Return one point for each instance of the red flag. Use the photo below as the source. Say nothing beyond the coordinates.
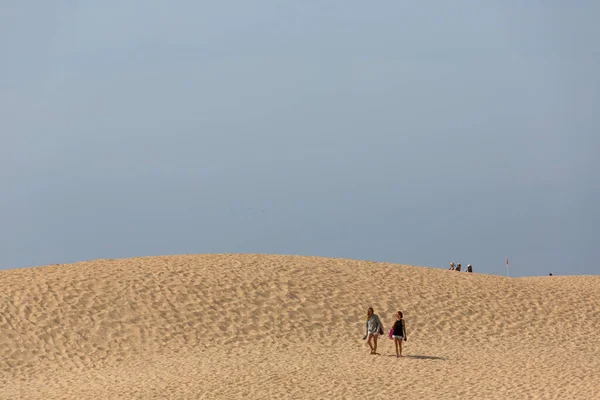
(507, 261)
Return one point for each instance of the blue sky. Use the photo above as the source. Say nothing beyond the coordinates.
(390, 131)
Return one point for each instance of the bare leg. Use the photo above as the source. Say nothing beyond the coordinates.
(400, 346)
(369, 342)
(396, 345)
(375, 344)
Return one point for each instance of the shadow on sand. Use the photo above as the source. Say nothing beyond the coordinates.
(421, 357)
(418, 357)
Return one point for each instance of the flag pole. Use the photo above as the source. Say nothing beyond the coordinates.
(506, 266)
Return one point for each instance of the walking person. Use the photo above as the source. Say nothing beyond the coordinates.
(374, 328)
(399, 333)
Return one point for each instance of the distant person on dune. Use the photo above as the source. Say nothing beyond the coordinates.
(399, 333)
(469, 268)
(457, 267)
(451, 266)
(374, 329)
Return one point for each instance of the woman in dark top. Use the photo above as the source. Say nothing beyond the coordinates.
(399, 333)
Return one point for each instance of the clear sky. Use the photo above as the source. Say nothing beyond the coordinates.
(411, 132)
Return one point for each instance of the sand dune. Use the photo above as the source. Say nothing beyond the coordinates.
(278, 327)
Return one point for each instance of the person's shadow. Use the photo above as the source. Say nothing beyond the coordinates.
(421, 357)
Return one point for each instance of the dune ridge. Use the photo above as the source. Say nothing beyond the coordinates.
(272, 326)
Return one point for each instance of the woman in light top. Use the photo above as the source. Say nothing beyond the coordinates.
(374, 329)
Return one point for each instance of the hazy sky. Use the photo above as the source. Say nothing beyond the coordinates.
(412, 132)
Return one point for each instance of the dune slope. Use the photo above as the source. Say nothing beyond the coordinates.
(266, 326)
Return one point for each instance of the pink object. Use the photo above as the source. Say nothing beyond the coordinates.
(391, 333)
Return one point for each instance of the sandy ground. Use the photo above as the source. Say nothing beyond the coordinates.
(282, 327)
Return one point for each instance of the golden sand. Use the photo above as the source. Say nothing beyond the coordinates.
(287, 327)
